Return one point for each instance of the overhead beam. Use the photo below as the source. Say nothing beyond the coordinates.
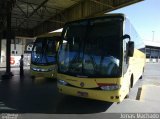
(30, 3)
(37, 20)
(21, 10)
(98, 2)
(83, 9)
(34, 11)
(23, 32)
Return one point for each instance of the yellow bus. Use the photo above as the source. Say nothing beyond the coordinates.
(43, 56)
(100, 58)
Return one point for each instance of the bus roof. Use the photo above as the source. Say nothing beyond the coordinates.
(112, 15)
(121, 15)
(50, 34)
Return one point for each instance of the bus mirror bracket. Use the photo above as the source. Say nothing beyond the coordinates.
(126, 36)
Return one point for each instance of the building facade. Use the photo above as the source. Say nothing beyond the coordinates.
(19, 46)
(152, 50)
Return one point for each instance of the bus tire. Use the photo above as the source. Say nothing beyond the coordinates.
(142, 74)
(141, 77)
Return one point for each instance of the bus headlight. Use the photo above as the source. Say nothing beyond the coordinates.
(42, 69)
(46, 70)
(62, 82)
(110, 87)
(52, 69)
(34, 69)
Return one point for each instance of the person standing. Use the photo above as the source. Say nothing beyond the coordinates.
(21, 66)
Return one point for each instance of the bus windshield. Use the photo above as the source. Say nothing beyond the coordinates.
(43, 52)
(91, 48)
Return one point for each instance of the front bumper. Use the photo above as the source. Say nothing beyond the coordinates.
(50, 74)
(110, 96)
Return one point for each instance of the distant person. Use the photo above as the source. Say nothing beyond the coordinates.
(21, 66)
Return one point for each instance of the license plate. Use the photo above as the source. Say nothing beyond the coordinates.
(82, 94)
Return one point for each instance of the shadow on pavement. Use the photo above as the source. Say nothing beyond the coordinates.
(77, 105)
(25, 95)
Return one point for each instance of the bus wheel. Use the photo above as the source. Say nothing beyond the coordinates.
(142, 74)
(141, 77)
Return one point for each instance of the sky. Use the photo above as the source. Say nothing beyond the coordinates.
(145, 17)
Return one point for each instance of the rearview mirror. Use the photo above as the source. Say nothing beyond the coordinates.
(130, 48)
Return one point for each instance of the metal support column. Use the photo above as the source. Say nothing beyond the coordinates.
(8, 43)
(0, 46)
(8, 74)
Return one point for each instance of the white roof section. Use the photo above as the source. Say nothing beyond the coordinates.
(151, 43)
(58, 30)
